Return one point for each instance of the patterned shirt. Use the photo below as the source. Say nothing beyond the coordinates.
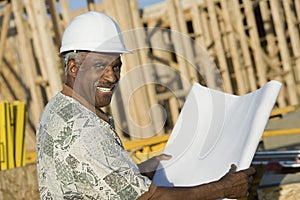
(80, 156)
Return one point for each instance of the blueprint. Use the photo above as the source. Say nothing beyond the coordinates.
(213, 131)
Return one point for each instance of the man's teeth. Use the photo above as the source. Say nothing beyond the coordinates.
(102, 89)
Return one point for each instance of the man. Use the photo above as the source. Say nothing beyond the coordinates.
(79, 154)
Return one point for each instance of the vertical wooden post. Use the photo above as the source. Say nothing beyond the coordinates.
(136, 118)
(272, 50)
(66, 14)
(57, 25)
(4, 29)
(37, 44)
(91, 5)
(234, 52)
(203, 39)
(219, 47)
(188, 53)
(240, 29)
(178, 45)
(255, 43)
(156, 115)
(158, 46)
(284, 52)
(49, 53)
(293, 30)
(28, 65)
(297, 8)
(196, 21)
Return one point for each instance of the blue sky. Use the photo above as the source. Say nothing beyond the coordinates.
(75, 4)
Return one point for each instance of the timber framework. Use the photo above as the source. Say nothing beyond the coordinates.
(247, 42)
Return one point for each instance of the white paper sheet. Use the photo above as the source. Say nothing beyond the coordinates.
(213, 131)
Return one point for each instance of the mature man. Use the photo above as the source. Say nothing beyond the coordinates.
(80, 156)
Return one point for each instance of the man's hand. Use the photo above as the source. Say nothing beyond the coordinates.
(149, 166)
(236, 184)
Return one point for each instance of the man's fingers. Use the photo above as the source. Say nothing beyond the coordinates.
(164, 157)
(250, 171)
(233, 168)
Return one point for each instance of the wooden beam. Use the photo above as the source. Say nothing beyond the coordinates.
(91, 5)
(234, 52)
(48, 52)
(272, 56)
(219, 49)
(56, 21)
(293, 30)
(4, 30)
(28, 66)
(66, 13)
(156, 115)
(284, 52)
(239, 28)
(178, 45)
(255, 43)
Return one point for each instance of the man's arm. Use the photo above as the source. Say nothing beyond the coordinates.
(232, 185)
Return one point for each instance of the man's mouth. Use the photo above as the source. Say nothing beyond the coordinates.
(105, 89)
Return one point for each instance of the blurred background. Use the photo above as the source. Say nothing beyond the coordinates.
(235, 46)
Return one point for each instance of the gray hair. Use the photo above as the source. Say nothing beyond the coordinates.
(76, 56)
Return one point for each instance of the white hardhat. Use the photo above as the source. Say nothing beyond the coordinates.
(93, 31)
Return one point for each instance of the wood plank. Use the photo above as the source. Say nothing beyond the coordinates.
(293, 30)
(205, 66)
(65, 12)
(157, 116)
(284, 52)
(4, 30)
(219, 49)
(234, 52)
(91, 5)
(138, 123)
(178, 45)
(239, 28)
(188, 54)
(56, 21)
(271, 50)
(35, 105)
(46, 46)
(255, 43)
(39, 80)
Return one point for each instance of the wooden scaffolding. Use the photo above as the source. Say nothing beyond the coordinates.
(231, 45)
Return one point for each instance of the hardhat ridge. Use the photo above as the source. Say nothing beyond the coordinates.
(93, 31)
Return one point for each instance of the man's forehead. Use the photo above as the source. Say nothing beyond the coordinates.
(106, 57)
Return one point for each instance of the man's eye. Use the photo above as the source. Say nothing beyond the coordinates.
(116, 68)
(100, 66)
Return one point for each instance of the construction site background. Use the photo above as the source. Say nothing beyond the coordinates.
(248, 42)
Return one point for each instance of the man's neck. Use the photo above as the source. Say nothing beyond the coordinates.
(68, 91)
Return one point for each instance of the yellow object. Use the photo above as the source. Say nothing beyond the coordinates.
(281, 132)
(3, 139)
(280, 111)
(12, 134)
(9, 138)
(20, 116)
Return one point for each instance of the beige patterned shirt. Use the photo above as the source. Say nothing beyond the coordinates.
(81, 157)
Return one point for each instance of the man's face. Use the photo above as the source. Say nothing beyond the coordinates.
(97, 77)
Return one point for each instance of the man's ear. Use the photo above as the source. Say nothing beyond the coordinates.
(72, 68)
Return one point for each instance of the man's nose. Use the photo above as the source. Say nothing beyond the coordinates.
(109, 74)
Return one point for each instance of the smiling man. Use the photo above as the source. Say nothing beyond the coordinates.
(80, 156)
